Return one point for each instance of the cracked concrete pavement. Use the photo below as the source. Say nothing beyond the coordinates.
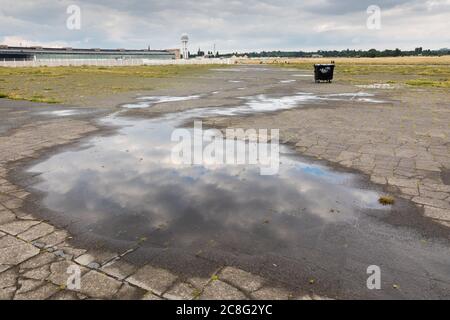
(404, 145)
(35, 256)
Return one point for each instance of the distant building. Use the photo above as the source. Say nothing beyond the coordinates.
(39, 53)
(176, 52)
(184, 46)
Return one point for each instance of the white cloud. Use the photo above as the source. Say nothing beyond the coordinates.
(232, 25)
(22, 42)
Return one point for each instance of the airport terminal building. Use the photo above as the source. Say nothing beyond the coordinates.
(8, 53)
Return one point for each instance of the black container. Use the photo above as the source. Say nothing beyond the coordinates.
(323, 72)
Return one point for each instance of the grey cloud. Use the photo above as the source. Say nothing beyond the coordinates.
(232, 25)
(343, 7)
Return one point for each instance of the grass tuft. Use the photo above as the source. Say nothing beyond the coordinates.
(429, 83)
(215, 278)
(34, 98)
(386, 200)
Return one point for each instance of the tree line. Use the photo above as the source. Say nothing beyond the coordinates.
(372, 53)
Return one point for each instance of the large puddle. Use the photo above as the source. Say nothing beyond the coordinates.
(130, 177)
(132, 173)
(125, 187)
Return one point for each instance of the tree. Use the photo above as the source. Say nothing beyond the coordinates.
(372, 53)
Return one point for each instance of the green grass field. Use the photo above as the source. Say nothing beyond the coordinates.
(66, 84)
(76, 85)
(431, 72)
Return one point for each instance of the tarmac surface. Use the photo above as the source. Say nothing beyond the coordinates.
(92, 183)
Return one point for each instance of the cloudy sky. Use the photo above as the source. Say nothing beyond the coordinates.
(233, 25)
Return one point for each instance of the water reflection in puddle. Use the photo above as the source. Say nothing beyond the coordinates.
(61, 113)
(357, 96)
(148, 101)
(376, 86)
(253, 104)
(125, 186)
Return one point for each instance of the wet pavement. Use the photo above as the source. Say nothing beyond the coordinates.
(309, 223)
(311, 228)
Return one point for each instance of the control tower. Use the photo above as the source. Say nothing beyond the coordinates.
(184, 46)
